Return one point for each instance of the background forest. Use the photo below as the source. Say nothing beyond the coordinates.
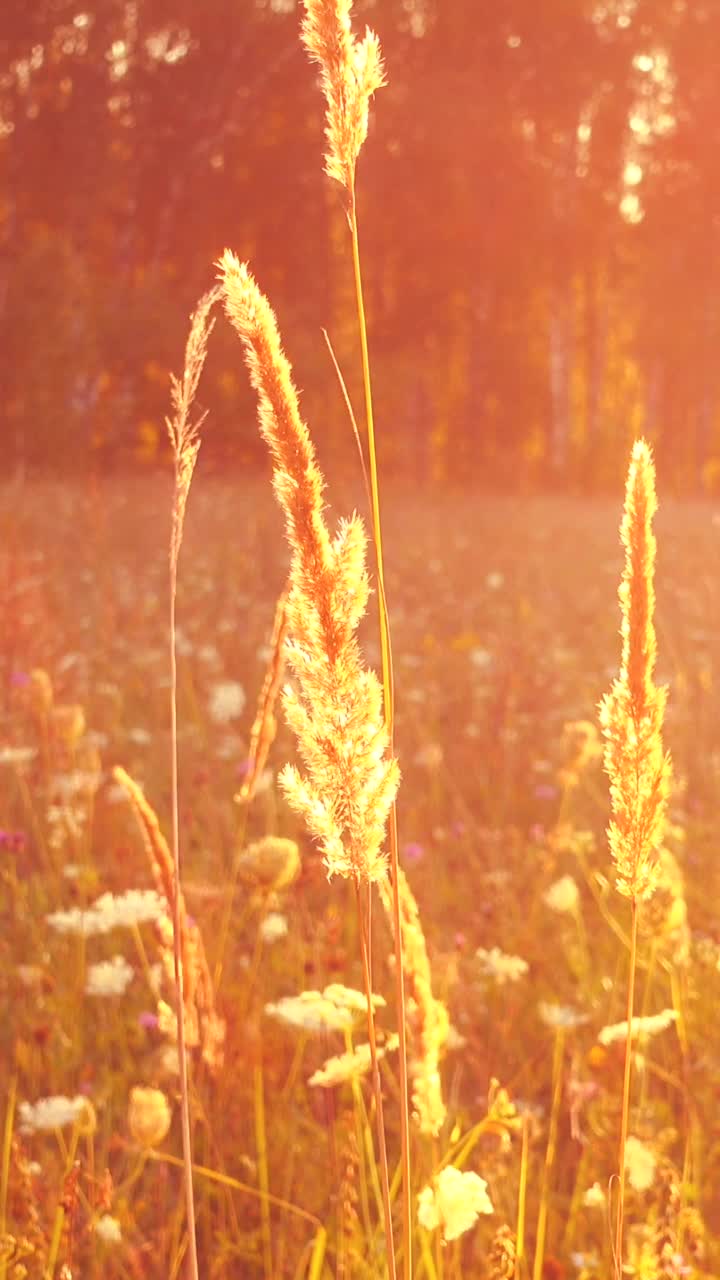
(540, 204)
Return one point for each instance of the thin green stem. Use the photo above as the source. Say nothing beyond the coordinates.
(389, 704)
(617, 1257)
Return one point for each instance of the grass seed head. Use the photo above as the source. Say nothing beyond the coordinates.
(631, 715)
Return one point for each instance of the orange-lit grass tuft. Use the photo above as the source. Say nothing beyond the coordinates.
(336, 709)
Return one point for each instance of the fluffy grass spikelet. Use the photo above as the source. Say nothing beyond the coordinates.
(185, 434)
(631, 714)
(336, 710)
(351, 70)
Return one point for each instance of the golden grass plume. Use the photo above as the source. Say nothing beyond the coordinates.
(631, 714)
(185, 434)
(335, 712)
(351, 70)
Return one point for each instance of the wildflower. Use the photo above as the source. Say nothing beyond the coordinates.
(561, 1016)
(336, 711)
(643, 1027)
(148, 1116)
(109, 977)
(347, 998)
(594, 1197)
(331, 1009)
(227, 701)
(349, 1066)
(351, 72)
(311, 1012)
(640, 1164)
(274, 927)
(110, 911)
(51, 1113)
(503, 968)
(563, 895)
(271, 863)
(108, 1229)
(631, 715)
(452, 1201)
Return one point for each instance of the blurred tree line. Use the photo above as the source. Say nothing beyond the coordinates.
(540, 218)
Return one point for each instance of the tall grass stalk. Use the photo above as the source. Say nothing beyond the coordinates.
(389, 704)
(351, 72)
(631, 715)
(185, 440)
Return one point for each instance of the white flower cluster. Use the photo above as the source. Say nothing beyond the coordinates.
(649, 1026)
(50, 1113)
(452, 1201)
(109, 977)
(329, 1010)
(110, 911)
(503, 968)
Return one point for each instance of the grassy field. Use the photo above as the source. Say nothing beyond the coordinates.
(505, 625)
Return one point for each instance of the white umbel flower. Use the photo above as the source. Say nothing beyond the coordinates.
(108, 1230)
(640, 1164)
(563, 895)
(452, 1202)
(227, 701)
(51, 1113)
(109, 977)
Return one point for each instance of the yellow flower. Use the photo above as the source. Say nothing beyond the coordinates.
(148, 1116)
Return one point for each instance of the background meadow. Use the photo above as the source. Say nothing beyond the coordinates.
(538, 211)
(505, 624)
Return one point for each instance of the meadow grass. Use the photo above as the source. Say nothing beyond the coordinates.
(549, 1134)
(504, 635)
